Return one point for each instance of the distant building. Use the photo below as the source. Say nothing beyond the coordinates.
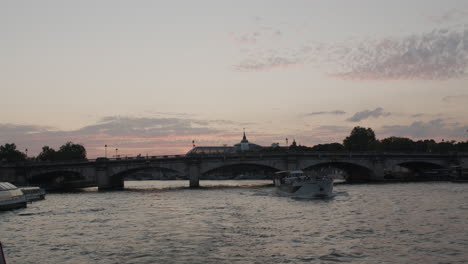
(243, 146)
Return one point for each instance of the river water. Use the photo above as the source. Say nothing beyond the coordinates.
(241, 222)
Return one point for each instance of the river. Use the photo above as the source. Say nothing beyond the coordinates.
(241, 222)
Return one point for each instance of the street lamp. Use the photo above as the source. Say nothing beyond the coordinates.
(116, 153)
(105, 147)
(26, 150)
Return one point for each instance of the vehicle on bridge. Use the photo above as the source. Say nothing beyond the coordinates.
(301, 185)
(11, 197)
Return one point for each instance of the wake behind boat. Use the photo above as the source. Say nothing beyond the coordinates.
(301, 185)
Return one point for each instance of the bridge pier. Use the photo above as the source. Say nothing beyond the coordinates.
(194, 174)
(105, 181)
(378, 172)
(291, 163)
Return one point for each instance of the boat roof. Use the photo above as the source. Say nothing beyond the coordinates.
(5, 186)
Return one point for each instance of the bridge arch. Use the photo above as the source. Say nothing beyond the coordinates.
(240, 170)
(118, 177)
(420, 165)
(353, 172)
(418, 170)
(58, 179)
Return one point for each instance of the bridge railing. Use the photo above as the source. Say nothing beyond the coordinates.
(228, 155)
(85, 161)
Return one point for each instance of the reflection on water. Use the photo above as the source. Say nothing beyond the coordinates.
(166, 222)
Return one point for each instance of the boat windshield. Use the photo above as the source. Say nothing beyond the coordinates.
(5, 186)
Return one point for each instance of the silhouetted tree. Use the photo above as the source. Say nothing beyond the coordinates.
(71, 151)
(445, 146)
(399, 144)
(328, 147)
(361, 139)
(47, 154)
(8, 152)
(68, 151)
(461, 146)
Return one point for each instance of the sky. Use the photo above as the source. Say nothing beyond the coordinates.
(148, 77)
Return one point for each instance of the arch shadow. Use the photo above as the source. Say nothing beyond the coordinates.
(421, 171)
(59, 180)
(353, 172)
(163, 174)
(239, 171)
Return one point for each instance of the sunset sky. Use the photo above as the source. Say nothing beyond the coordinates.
(151, 76)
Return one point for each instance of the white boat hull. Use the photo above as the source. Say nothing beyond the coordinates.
(13, 203)
(316, 189)
(11, 197)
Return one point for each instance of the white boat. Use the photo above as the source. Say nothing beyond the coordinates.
(33, 193)
(298, 184)
(11, 197)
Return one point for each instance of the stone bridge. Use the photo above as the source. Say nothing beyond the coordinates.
(110, 173)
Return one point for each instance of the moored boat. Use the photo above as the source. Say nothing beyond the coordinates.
(33, 193)
(298, 184)
(11, 197)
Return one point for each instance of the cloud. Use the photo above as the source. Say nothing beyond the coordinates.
(250, 38)
(378, 112)
(266, 63)
(147, 127)
(436, 128)
(462, 98)
(440, 54)
(335, 112)
(334, 129)
(132, 135)
(436, 55)
(451, 15)
(11, 130)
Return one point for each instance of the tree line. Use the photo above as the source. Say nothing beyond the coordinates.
(68, 151)
(363, 139)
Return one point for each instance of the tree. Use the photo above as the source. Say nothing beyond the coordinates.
(71, 151)
(328, 147)
(47, 154)
(360, 139)
(8, 152)
(68, 151)
(400, 144)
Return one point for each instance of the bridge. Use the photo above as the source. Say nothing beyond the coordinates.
(109, 174)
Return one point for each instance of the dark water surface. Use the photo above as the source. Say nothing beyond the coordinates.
(388, 223)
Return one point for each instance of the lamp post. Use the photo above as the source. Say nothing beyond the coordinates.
(287, 145)
(26, 150)
(116, 153)
(105, 151)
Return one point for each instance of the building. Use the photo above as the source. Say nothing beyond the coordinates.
(243, 146)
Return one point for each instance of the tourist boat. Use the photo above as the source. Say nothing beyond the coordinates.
(33, 193)
(298, 184)
(11, 197)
